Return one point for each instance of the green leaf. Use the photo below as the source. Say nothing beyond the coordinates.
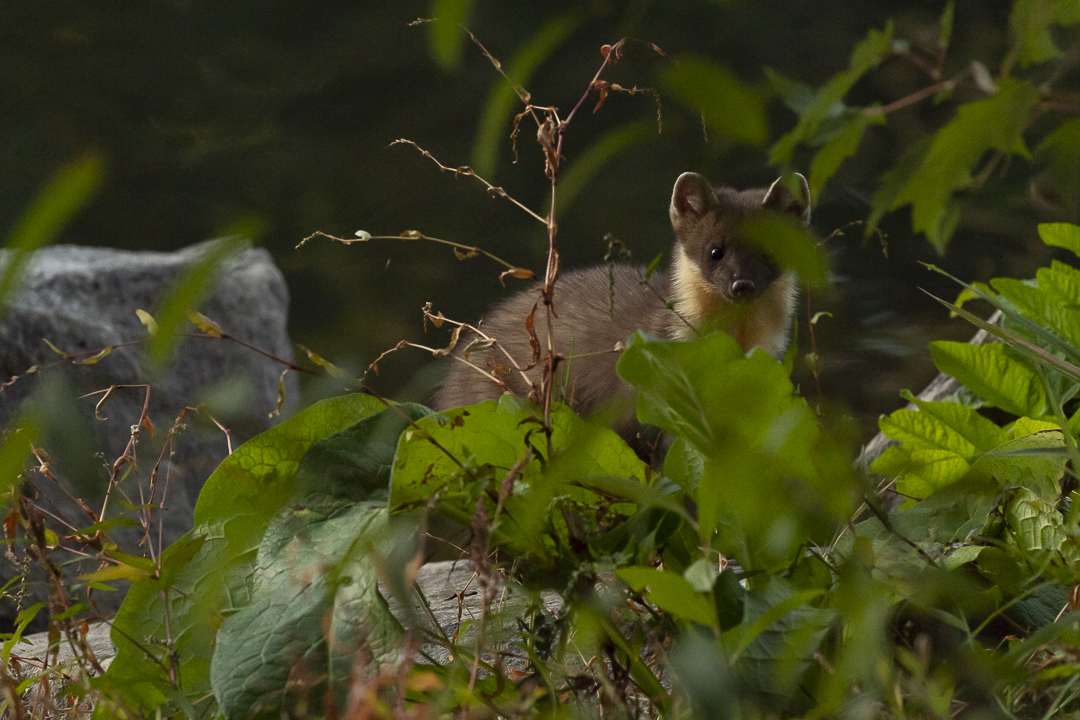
(446, 39)
(464, 455)
(1059, 151)
(1036, 523)
(728, 107)
(355, 464)
(68, 191)
(1033, 462)
(992, 373)
(702, 574)
(997, 123)
(1062, 235)
(671, 593)
(828, 101)
(943, 425)
(1030, 24)
(315, 612)
(1044, 307)
(760, 443)
(209, 572)
(940, 442)
(187, 292)
(684, 465)
(828, 159)
(945, 25)
(492, 131)
(16, 445)
(790, 243)
(779, 627)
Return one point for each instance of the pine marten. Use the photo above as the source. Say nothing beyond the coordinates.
(717, 281)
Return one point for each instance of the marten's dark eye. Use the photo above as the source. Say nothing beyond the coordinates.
(716, 253)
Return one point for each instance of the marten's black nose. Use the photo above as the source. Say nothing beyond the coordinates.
(743, 288)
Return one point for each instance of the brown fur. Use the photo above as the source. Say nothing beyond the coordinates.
(742, 293)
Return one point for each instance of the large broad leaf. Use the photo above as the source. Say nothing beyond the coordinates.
(315, 611)
(766, 477)
(1044, 307)
(315, 614)
(780, 636)
(464, 456)
(209, 572)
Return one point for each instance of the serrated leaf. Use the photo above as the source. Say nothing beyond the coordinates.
(867, 53)
(996, 122)
(1035, 462)
(828, 159)
(943, 425)
(993, 374)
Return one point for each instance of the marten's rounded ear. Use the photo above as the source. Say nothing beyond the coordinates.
(790, 194)
(692, 198)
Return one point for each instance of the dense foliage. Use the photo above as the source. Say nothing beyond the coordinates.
(757, 573)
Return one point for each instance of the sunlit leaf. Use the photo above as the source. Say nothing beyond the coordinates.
(993, 374)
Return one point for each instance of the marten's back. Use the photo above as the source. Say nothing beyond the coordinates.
(594, 312)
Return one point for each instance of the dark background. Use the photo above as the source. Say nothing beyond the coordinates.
(275, 119)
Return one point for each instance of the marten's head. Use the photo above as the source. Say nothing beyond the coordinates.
(718, 274)
(706, 223)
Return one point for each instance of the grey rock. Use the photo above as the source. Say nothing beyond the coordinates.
(84, 299)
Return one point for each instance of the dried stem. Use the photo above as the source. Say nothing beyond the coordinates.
(493, 190)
